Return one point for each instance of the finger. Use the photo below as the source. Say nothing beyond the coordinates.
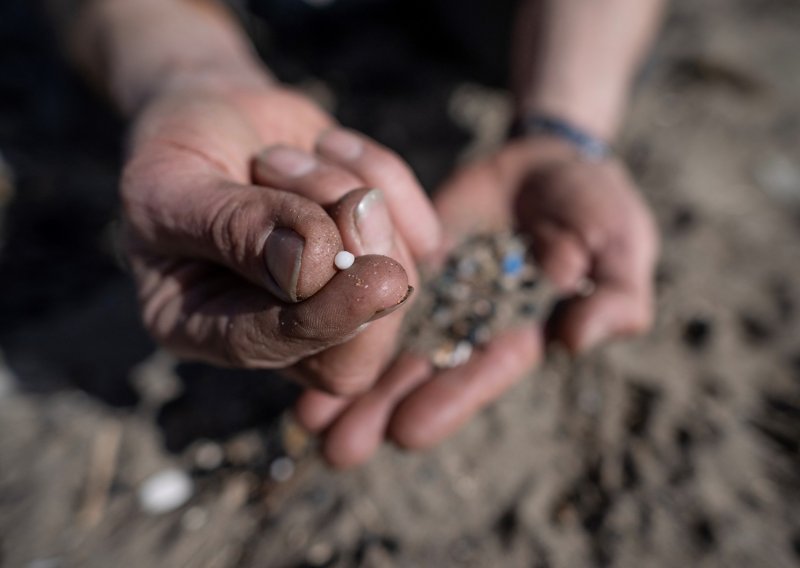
(179, 204)
(622, 302)
(368, 224)
(363, 358)
(562, 256)
(610, 312)
(365, 225)
(364, 222)
(373, 288)
(442, 405)
(299, 171)
(431, 411)
(363, 219)
(378, 166)
(207, 313)
(316, 410)
(361, 428)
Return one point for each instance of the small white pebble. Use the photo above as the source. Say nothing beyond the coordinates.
(344, 260)
(165, 491)
(281, 469)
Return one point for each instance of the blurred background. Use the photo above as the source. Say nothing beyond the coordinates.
(679, 449)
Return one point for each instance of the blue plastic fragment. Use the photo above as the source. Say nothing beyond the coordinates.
(513, 263)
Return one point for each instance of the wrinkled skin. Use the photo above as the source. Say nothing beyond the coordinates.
(198, 236)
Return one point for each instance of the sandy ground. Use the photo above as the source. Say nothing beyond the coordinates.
(678, 449)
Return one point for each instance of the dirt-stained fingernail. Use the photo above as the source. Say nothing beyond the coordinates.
(374, 224)
(283, 255)
(383, 313)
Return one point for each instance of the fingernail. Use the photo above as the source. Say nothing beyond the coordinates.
(340, 144)
(284, 252)
(383, 313)
(374, 224)
(288, 162)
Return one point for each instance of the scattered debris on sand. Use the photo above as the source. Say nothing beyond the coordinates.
(487, 285)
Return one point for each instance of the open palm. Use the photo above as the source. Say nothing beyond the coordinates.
(585, 221)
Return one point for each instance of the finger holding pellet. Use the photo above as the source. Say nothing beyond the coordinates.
(206, 316)
(369, 289)
(363, 219)
(378, 166)
(362, 215)
(373, 289)
(366, 228)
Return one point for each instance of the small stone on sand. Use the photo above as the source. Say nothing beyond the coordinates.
(281, 469)
(165, 491)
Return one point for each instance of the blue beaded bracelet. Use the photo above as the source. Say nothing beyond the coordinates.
(590, 147)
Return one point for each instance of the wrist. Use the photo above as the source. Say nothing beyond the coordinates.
(178, 79)
(521, 156)
(596, 110)
(537, 125)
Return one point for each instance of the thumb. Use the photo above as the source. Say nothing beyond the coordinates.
(179, 205)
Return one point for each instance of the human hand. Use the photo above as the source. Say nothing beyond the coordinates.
(587, 225)
(397, 221)
(241, 275)
(585, 221)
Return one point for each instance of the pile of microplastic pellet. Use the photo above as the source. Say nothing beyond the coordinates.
(488, 284)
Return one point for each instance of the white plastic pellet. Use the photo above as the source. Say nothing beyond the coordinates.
(344, 260)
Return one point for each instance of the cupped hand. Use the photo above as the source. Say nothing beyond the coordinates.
(243, 275)
(586, 224)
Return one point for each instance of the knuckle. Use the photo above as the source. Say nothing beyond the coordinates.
(296, 328)
(390, 165)
(159, 317)
(248, 345)
(134, 191)
(237, 342)
(230, 227)
(309, 336)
